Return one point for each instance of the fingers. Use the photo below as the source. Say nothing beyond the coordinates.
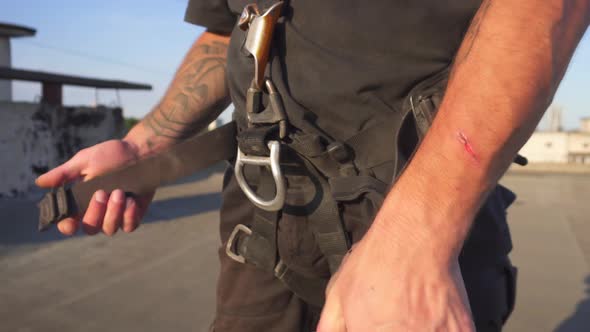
(135, 209)
(68, 171)
(108, 213)
(93, 219)
(143, 202)
(68, 226)
(113, 217)
(131, 215)
(332, 318)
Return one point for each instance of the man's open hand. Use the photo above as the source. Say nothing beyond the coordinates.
(106, 212)
(386, 286)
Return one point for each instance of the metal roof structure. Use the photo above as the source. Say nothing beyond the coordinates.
(13, 30)
(51, 78)
(52, 83)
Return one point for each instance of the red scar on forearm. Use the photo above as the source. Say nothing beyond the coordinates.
(463, 139)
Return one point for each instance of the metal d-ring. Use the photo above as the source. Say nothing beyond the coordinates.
(229, 247)
(272, 161)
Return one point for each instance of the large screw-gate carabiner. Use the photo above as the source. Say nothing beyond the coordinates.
(258, 40)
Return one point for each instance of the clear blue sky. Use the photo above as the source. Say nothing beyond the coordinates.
(146, 39)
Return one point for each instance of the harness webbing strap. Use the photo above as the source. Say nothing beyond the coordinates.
(327, 224)
(351, 188)
(254, 141)
(260, 248)
(313, 149)
(311, 290)
(377, 144)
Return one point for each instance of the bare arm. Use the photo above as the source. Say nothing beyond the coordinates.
(504, 77)
(196, 96)
(404, 274)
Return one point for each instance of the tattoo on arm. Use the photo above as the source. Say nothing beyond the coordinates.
(216, 47)
(472, 32)
(195, 97)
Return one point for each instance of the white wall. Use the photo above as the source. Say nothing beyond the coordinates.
(579, 148)
(585, 125)
(35, 138)
(546, 147)
(579, 143)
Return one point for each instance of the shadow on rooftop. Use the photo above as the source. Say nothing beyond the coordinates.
(18, 217)
(579, 319)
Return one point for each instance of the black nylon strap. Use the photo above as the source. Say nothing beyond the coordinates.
(350, 188)
(332, 160)
(327, 224)
(424, 111)
(253, 141)
(377, 144)
(325, 219)
(310, 290)
(260, 248)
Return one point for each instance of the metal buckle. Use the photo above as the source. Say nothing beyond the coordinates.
(55, 206)
(242, 159)
(273, 113)
(280, 269)
(229, 247)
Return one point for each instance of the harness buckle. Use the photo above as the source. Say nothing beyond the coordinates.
(271, 161)
(229, 247)
(280, 269)
(273, 113)
(55, 206)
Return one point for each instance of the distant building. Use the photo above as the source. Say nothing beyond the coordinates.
(8, 31)
(37, 136)
(560, 146)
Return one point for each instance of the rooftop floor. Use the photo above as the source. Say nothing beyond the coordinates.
(162, 277)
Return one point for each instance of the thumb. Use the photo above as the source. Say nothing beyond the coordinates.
(332, 318)
(68, 171)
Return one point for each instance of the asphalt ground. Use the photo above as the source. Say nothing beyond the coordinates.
(162, 277)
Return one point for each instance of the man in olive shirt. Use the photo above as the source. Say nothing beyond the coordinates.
(435, 255)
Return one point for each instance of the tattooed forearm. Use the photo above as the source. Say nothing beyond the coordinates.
(196, 96)
(178, 115)
(472, 32)
(215, 47)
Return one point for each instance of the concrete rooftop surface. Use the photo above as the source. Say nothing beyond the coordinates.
(162, 277)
